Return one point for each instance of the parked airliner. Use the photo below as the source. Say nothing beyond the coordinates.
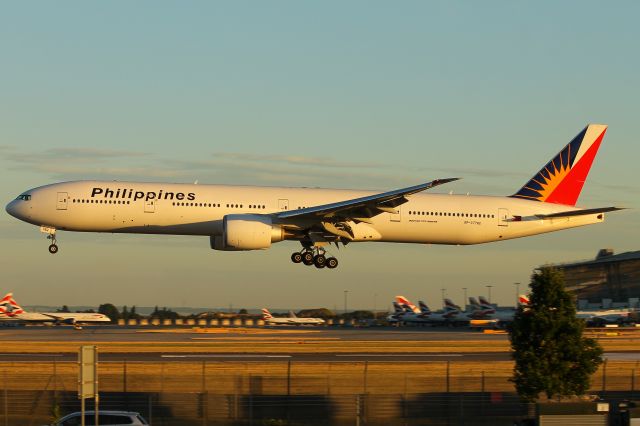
(292, 319)
(11, 311)
(237, 218)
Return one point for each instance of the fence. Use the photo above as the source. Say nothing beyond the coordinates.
(287, 393)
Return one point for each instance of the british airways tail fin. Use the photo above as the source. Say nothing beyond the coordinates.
(561, 179)
(404, 301)
(424, 309)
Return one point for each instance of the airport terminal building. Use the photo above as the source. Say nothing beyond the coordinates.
(608, 281)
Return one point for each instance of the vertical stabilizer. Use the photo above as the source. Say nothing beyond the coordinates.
(561, 179)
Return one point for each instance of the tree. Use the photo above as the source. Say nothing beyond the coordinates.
(109, 310)
(551, 355)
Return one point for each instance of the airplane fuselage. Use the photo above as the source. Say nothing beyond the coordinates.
(191, 209)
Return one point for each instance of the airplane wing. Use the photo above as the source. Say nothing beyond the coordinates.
(357, 210)
(579, 212)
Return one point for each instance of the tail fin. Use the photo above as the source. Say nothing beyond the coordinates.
(424, 309)
(404, 301)
(266, 314)
(396, 308)
(484, 302)
(474, 303)
(523, 300)
(9, 307)
(292, 314)
(449, 305)
(561, 179)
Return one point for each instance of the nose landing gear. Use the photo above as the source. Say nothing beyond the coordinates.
(314, 256)
(53, 247)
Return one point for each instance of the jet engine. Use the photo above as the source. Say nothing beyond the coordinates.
(247, 232)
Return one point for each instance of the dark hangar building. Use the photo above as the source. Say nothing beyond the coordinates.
(609, 280)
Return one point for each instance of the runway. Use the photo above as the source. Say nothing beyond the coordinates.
(293, 357)
(263, 344)
(188, 334)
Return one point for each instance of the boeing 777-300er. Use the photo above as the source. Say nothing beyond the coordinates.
(237, 218)
(10, 310)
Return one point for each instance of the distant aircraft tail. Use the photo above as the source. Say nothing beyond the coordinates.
(424, 309)
(266, 315)
(9, 307)
(397, 309)
(404, 301)
(561, 179)
(473, 302)
(523, 300)
(449, 305)
(292, 314)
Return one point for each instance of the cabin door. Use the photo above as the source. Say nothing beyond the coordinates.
(503, 217)
(61, 203)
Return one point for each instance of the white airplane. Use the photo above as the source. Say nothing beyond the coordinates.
(237, 218)
(11, 311)
(292, 319)
(606, 316)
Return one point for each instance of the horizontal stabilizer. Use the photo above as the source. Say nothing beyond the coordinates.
(579, 212)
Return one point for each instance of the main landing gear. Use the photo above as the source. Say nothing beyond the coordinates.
(314, 256)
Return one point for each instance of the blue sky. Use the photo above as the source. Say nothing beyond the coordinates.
(359, 94)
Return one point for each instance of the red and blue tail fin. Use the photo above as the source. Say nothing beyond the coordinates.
(561, 179)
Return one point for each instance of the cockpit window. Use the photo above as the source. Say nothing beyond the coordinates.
(24, 197)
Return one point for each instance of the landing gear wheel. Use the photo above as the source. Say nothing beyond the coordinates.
(332, 263)
(319, 260)
(307, 258)
(53, 249)
(296, 257)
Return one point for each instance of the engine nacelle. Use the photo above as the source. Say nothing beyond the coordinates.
(247, 232)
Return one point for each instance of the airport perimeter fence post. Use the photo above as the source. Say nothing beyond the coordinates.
(358, 402)
(366, 368)
(604, 376)
(289, 378)
(6, 402)
(633, 382)
(150, 409)
(204, 397)
(55, 383)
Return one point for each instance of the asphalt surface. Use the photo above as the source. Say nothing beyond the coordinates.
(142, 335)
(151, 334)
(266, 357)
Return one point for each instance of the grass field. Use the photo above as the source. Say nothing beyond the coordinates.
(324, 378)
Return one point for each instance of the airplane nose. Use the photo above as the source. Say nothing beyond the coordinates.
(11, 209)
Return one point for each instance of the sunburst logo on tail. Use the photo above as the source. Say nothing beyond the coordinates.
(561, 179)
(549, 178)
